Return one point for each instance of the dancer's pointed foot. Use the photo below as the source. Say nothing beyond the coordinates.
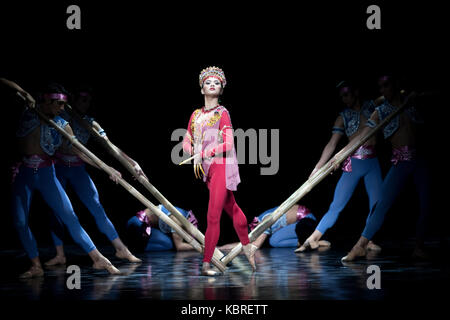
(356, 252)
(33, 272)
(300, 249)
(324, 243)
(208, 271)
(57, 260)
(308, 245)
(249, 251)
(103, 263)
(373, 247)
(127, 255)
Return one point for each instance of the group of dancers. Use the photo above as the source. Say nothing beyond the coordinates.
(50, 162)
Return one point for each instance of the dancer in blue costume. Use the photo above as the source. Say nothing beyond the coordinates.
(70, 169)
(284, 232)
(148, 232)
(38, 142)
(401, 132)
(362, 164)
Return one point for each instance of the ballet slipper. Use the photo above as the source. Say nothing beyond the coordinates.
(57, 260)
(127, 255)
(373, 247)
(208, 271)
(34, 272)
(104, 263)
(355, 253)
(249, 251)
(299, 249)
(324, 243)
(308, 245)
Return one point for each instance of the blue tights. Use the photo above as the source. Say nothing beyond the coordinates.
(84, 187)
(392, 185)
(159, 241)
(44, 180)
(369, 169)
(284, 237)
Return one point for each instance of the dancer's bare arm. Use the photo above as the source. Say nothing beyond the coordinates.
(180, 245)
(11, 84)
(86, 159)
(330, 147)
(260, 240)
(134, 163)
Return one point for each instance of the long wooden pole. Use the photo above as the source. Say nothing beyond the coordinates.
(189, 239)
(115, 152)
(310, 183)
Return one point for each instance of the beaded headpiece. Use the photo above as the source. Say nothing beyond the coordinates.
(212, 72)
(55, 96)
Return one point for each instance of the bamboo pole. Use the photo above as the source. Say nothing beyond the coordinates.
(115, 152)
(311, 183)
(187, 160)
(189, 239)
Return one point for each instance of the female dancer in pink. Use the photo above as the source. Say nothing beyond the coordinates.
(210, 138)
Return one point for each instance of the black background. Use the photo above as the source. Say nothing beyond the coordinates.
(282, 62)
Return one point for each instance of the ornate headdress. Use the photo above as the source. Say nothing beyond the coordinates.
(212, 72)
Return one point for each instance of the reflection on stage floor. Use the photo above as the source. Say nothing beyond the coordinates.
(281, 275)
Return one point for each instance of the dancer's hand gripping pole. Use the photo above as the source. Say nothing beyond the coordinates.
(198, 169)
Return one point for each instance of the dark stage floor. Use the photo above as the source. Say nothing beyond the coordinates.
(281, 275)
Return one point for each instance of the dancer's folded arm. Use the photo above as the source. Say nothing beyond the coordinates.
(187, 143)
(226, 132)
